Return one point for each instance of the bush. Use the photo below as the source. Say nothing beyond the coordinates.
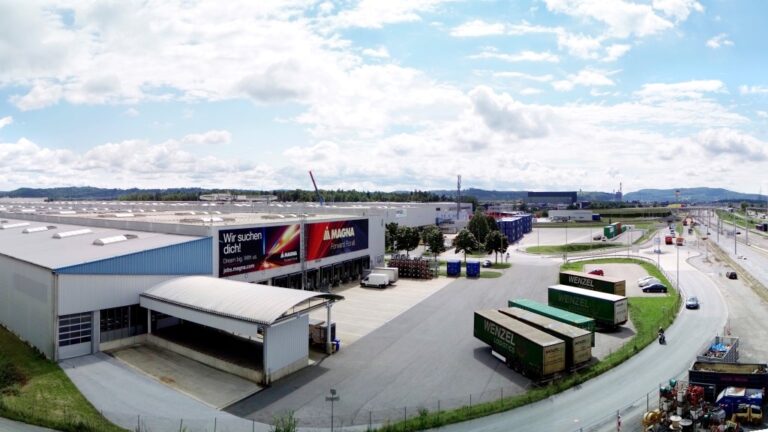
(10, 376)
(284, 423)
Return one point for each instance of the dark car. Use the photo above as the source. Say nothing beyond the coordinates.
(692, 303)
(487, 263)
(656, 287)
(731, 275)
(598, 272)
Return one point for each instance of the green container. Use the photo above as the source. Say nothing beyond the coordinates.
(608, 310)
(609, 231)
(526, 349)
(556, 314)
(594, 282)
(578, 342)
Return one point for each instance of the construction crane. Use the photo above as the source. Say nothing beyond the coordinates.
(317, 192)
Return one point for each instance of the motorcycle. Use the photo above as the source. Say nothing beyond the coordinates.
(662, 339)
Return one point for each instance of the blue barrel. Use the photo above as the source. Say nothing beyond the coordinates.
(473, 269)
(453, 268)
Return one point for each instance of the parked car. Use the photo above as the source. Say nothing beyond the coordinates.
(692, 303)
(731, 275)
(487, 263)
(655, 287)
(650, 280)
(598, 272)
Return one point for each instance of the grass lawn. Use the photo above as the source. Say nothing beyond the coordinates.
(647, 315)
(571, 247)
(43, 395)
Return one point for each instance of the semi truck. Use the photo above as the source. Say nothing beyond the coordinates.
(578, 342)
(608, 310)
(563, 316)
(716, 376)
(594, 282)
(525, 349)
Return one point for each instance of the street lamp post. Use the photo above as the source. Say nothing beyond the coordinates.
(566, 240)
(678, 267)
(332, 398)
(734, 233)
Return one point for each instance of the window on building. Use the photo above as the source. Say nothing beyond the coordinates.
(74, 329)
(122, 322)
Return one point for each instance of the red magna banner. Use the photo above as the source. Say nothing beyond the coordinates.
(326, 239)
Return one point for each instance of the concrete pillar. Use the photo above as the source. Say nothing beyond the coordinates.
(328, 342)
(149, 321)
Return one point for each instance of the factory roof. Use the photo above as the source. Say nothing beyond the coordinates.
(56, 245)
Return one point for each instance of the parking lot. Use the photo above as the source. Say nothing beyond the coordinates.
(424, 355)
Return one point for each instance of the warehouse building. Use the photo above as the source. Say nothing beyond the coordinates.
(73, 284)
(573, 215)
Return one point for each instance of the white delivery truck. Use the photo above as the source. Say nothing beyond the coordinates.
(378, 280)
(393, 272)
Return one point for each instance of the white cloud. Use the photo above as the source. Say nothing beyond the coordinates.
(131, 112)
(380, 52)
(5, 121)
(586, 78)
(762, 114)
(745, 89)
(678, 9)
(502, 113)
(687, 89)
(477, 28)
(579, 45)
(622, 18)
(525, 76)
(523, 56)
(729, 142)
(213, 137)
(719, 41)
(376, 14)
(615, 51)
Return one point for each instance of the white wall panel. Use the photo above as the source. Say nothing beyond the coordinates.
(85, 293)
(285, 344)
(26, 302)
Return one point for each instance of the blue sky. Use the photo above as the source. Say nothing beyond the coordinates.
(549, 94)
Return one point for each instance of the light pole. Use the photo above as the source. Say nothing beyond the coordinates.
(734, 232)
(566, 240)
(332, 398)
(678, 267)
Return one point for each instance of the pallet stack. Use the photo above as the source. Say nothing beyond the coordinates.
(414, 268)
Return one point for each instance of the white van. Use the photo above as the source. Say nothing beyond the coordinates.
(379, 280)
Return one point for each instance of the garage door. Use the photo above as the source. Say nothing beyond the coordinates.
(75, 335)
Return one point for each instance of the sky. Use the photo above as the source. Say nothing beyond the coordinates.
(385, 95)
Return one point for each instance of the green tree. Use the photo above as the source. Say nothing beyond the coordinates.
(407, 239)
(478, 226)
(491, 221)
(390, 237)
(465, 242)
(435, 240)
(494, 244)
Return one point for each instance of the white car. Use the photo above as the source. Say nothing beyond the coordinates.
(649, 280)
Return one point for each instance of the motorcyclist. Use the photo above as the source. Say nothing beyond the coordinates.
(662, 337)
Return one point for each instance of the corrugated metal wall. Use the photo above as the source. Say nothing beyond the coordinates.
(85, 293)
(285, 344)
(26, 302)
(190, 258)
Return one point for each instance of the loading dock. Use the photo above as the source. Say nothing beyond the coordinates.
(275, 318)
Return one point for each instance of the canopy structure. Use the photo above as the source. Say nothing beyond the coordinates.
(279, 315)
(254, 303)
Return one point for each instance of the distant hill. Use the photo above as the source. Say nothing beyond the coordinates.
(694, 195)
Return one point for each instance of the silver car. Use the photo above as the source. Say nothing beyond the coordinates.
(644, 282)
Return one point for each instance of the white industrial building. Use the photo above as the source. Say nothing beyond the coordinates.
(78, 281)
(571, 215)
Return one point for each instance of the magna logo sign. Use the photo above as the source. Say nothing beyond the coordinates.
(326, 239)
(253, 249)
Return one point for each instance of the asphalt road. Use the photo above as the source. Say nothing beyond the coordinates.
(591, 406)
(14, 426)
(426, 354)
